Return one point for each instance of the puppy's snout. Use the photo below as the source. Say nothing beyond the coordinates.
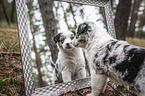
(82, 39)
(67, 44)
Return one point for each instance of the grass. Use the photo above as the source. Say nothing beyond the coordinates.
(9, 41)
(11, 79)
(4, 24)
(136, 41)
(11, 76)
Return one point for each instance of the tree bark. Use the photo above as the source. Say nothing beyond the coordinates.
(121, 18)
(0, 12)
(101, 11)
(5, 13)
(12, 12)
(73, 14)
(134, 17)
(38, 61)
(65, 16)
(141, 24)
(49, 22)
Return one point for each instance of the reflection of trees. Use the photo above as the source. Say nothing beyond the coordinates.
(49, 22)
(37, 54)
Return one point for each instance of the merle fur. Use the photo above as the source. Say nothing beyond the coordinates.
(133, 61)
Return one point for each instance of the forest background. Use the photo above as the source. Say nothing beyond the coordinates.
(129, 20)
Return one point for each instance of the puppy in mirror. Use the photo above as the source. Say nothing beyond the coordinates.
(109, 57)
(70, 64)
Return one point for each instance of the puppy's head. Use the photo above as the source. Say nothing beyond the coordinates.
(64, 40)
(82, 34)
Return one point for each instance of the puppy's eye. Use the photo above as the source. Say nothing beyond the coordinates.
(62, 39)
(80, 40)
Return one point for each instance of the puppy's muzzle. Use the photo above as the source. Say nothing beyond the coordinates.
(82, 39)
(68, 45)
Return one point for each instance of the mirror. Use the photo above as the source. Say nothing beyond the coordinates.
(40, 52)
(68, 16)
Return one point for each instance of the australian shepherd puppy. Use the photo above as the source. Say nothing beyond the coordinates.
(70, 64)
(109, 57)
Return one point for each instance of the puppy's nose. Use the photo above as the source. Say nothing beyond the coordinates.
(67, 44)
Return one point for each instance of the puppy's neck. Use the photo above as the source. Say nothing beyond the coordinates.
(97, 38)
(68, 50)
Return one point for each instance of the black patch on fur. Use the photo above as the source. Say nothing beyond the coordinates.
(73, 32)
(111, 45)
(72, 37)
(82, 29)
(138, 88)
(106, 58)
(132, 64)
(112, 59)
(117, 45)
(57, 37)
(125, 47)
(96, 55)
(62, 40)
(56, 71)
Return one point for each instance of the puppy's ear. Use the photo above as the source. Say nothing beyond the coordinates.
(57, 37)
(82, 28)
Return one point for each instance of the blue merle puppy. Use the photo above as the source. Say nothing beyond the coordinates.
(70, 64)
(108, 57)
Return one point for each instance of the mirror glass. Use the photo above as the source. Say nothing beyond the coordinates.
(68, 16)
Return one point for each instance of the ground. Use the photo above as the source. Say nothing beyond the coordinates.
(11, 77)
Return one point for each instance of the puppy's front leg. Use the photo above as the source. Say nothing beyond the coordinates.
(81, 73)
(98, 83)
(66, 76)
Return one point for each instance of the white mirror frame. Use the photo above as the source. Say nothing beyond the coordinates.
(26, 49)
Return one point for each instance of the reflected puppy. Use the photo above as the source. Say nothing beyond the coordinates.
(108, 57)
(70, 64)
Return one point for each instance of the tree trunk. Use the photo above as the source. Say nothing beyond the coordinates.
(0, 12)
(38, 63)
(121, 18)
(101, 11)
(65, 16)
(72, 12)
(12, 12)
(5, 13)
(141, 24)
(134, 16)
(49, 22)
